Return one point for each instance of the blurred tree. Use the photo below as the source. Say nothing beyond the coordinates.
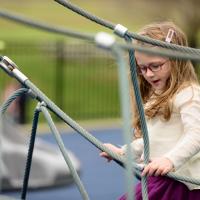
(190, 16)
(185, 13)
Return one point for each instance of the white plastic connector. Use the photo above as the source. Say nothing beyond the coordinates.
(120, 30)
(104, 40)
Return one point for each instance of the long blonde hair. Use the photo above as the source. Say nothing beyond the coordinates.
(182, 74)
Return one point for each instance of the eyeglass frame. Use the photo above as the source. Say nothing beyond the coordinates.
(159, 67)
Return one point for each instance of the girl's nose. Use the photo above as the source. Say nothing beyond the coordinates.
(149, 73)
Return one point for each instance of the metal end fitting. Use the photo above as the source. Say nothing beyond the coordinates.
(11, 69)
(7, 65)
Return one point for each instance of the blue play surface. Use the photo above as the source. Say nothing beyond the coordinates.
(102, 180)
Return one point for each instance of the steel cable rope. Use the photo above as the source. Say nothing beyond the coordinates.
(3, 109)
(112, 26)
(126, 116)
(79, 35)
(86, 134)
(8, 102)
(139, 105)
(54, 29)
(61, 145)
(11, 98)
(30, 153)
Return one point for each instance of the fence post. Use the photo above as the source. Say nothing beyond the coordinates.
(59, 72)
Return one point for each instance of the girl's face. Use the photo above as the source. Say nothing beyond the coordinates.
(155, 70)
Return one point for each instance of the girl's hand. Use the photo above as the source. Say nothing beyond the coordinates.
(158, 166)
(112, 148)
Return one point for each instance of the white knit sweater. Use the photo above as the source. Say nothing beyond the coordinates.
(179, 138)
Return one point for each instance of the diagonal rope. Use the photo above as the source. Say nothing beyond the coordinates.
(112, 26)
(43, 26)
(60, 143)
(86, 14)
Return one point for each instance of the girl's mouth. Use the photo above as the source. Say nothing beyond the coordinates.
(156, 81)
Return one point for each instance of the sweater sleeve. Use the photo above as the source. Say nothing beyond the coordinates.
(136, 149)
(188, 103)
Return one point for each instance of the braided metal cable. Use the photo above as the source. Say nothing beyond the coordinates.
(111, 26)
(30, 153)
(139, 104)
(140, 109)
(161, 52)
(164, 44)
(43, 26)
(5, 106)
(61, 145)
(126, 116)
(11, 98)
(144, 188)
(86, 14)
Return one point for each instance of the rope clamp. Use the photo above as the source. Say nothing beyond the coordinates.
(104, 40)
(40, 104)
(120, 30)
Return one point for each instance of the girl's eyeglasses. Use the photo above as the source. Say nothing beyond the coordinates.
(153, 67)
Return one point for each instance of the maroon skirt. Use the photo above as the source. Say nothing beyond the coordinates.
(164, 188)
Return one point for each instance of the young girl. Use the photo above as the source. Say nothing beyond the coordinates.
(171, 95)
